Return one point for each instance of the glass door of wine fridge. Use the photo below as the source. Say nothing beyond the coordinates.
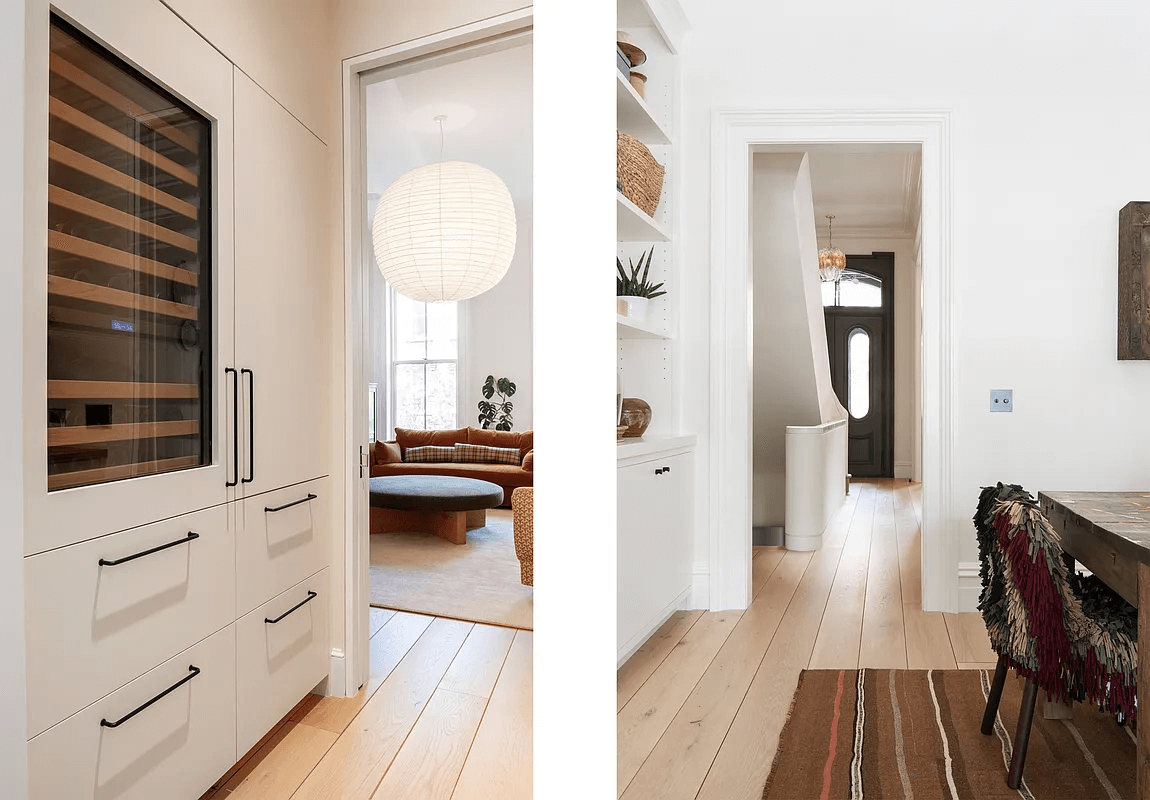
(136, 278)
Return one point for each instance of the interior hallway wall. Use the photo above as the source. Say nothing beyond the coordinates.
(1043, 154)
(791, 368)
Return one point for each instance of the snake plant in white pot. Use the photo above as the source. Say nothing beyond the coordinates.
(634, 291)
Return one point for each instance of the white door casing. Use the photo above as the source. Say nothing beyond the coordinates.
(735, 135)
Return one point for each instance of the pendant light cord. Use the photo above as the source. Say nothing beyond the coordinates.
(440, 120)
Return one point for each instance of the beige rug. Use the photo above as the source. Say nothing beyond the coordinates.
(477, 581)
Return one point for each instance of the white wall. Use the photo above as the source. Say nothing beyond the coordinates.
(1044, 153)
(791, 368)
(907, 307)
(13, 733)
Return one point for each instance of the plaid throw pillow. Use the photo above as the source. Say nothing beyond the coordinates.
(429, 454)
(482, 454)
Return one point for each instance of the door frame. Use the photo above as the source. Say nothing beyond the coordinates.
(735, 136)
(885, 313)
(466, 41)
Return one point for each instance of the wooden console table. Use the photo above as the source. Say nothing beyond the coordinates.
(1109, 534)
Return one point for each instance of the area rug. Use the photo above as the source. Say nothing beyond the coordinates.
(477, 581)
(915, 734)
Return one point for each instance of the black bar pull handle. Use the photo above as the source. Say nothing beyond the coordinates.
(251, 425)
(307, 499)
(659, 471)
(191, 537)
(310, 596)
(235, 423)
(666, 469)
(193, 671)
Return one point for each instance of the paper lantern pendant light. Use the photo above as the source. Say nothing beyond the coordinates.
(444, 232)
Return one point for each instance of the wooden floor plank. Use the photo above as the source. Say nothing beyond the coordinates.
(646, 716)
(740, 768)
(701, 724)
(378, 618)
(968, 637)
(883, 634)
(840, 634)
(359, 758)
(278, 769)
(500, 764)
(646, 659)
(763, 563)
(927, 642)
(479, 661)
(909, 545)
(388, 647)
(431, 759)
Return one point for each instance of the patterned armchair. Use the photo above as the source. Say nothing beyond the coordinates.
(1067, 634)
(523, 511)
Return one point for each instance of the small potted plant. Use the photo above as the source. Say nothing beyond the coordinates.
(632, 290)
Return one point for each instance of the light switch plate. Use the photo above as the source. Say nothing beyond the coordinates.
(1001, 399)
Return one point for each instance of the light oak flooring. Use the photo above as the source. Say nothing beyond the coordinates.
(702, 703)
(446, 713)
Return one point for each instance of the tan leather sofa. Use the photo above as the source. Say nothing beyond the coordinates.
(387, 457)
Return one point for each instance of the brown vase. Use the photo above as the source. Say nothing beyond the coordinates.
(636, 416)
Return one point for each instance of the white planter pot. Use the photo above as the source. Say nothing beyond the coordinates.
(635, 307)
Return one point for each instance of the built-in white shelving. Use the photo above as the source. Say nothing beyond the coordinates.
(631, 329)
(634, 225)
(634, 117)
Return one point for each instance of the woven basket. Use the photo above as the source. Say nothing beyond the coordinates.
(639, 174)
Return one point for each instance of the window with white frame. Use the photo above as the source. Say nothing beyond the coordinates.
(423, 363)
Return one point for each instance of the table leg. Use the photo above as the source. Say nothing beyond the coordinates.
(1143, 681)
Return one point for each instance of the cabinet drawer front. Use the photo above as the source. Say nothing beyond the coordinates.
(173, 749)
(93, 627)
(280, 541)
(278, 663)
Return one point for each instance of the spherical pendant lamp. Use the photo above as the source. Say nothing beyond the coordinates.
(444, 232)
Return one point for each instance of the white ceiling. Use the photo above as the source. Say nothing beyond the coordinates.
(487, 101)
(872, 189)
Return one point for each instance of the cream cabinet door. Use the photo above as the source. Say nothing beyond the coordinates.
(98, 406)
(283, 280)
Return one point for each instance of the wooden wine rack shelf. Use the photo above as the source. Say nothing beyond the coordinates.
(127, 432)
(83, 390)
(81, 290)
(66, 480)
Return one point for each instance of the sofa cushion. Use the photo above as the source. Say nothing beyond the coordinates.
(524, 440)
(502, 474)
(388, 453)
(529, 461)
(431, 453)
(413, 438)
(482, 454)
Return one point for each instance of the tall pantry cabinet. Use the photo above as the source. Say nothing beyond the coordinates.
(177, 508)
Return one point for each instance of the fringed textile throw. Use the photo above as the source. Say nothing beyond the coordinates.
(1070, 634)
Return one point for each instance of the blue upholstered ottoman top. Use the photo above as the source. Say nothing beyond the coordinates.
(433, 493)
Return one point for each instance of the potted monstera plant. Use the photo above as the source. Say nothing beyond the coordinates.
(496, 413)
(632, 290)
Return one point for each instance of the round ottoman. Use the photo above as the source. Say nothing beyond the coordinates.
(445, 506)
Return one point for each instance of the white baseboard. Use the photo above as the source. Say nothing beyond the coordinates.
(700, 596)
(337, 675)
(635, 642)
(904, 472)
(969, 586)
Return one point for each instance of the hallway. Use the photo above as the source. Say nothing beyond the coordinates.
(702, 703)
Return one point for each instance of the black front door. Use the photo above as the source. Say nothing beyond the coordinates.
(859, 321)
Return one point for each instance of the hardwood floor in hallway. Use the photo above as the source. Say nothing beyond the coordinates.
(446, 713)
(702, 703)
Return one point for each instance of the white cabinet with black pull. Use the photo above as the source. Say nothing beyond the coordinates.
(178, 501)
(655, 547)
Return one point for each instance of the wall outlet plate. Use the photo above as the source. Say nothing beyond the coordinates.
(1001, 399)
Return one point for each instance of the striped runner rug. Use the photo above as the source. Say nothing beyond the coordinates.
(915, 734)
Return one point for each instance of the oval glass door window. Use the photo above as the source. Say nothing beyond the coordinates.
(858, 376)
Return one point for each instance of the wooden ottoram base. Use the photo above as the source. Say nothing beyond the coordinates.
(450, 525)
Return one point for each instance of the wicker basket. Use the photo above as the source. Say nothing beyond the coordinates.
(640, 175)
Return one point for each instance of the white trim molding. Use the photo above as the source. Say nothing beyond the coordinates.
(735, 136)
(969, 585)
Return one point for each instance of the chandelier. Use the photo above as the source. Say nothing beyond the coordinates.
(832, 261)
